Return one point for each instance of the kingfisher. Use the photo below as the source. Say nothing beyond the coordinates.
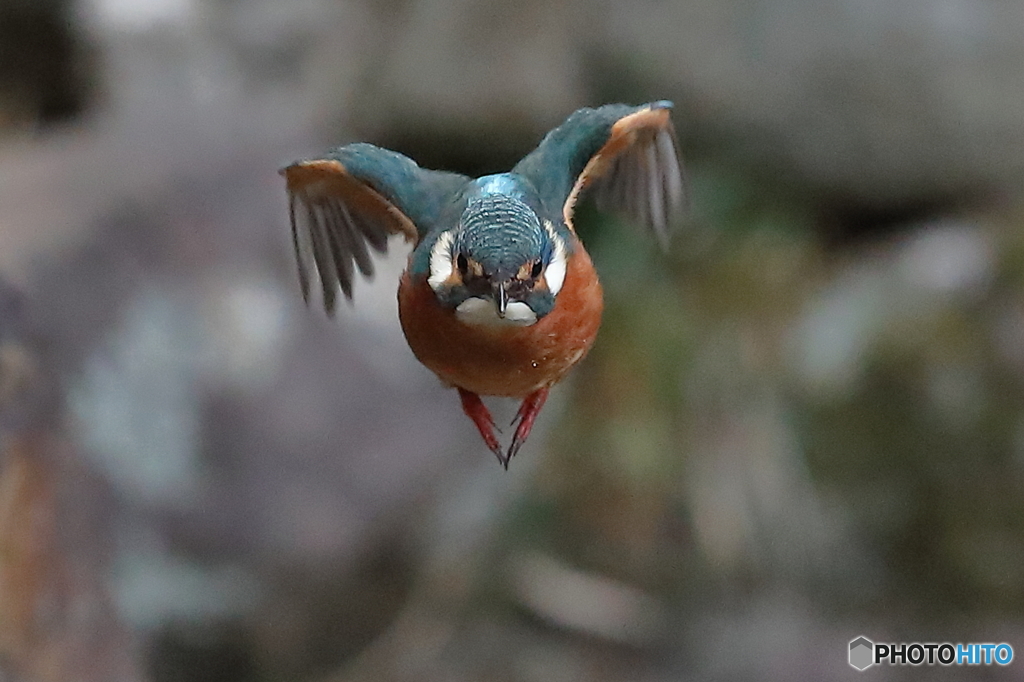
(499, 296)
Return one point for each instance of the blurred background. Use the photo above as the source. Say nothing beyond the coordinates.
(802, 424)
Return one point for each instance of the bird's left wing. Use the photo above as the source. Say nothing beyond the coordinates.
(352, 200)
(626, 156)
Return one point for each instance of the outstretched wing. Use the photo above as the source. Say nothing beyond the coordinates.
(350, 201)
(626, 156)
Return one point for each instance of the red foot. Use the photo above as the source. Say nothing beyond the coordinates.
(527, 414)
(478, 412)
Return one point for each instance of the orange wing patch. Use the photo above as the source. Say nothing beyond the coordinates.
(329, 178)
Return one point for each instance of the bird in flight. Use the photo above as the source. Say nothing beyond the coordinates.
(499, 297)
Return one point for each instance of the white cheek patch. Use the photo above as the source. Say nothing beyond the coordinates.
(554, 274)
(482, 311)
(441, 260)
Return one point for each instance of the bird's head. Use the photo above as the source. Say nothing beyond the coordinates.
(501, 265)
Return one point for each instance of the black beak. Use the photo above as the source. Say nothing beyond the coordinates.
(500, 295)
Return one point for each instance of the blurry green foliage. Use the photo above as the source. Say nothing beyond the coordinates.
(919, 455)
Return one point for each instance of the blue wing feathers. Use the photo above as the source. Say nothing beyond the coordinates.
(565, 151)
(419, 193)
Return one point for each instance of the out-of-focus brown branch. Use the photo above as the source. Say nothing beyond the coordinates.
(55, 619)
(27, 520)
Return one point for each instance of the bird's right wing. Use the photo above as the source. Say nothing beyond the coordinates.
(627, 157)
(351, 200)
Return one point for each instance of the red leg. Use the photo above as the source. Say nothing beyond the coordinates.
(481, 416)
(527, 414)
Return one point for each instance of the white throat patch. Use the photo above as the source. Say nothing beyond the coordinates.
(483, 312)
(554, 274)
(441, 260)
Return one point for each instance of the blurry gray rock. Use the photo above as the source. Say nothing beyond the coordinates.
(877, 102)
(885, 99)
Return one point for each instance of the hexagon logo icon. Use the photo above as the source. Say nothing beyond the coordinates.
(862, 652)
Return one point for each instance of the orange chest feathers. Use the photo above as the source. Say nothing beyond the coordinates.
(498, 360)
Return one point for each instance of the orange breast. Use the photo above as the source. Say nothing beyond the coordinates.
(504, 361)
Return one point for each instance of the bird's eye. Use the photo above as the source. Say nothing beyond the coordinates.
(537, 267)
(462, 264)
